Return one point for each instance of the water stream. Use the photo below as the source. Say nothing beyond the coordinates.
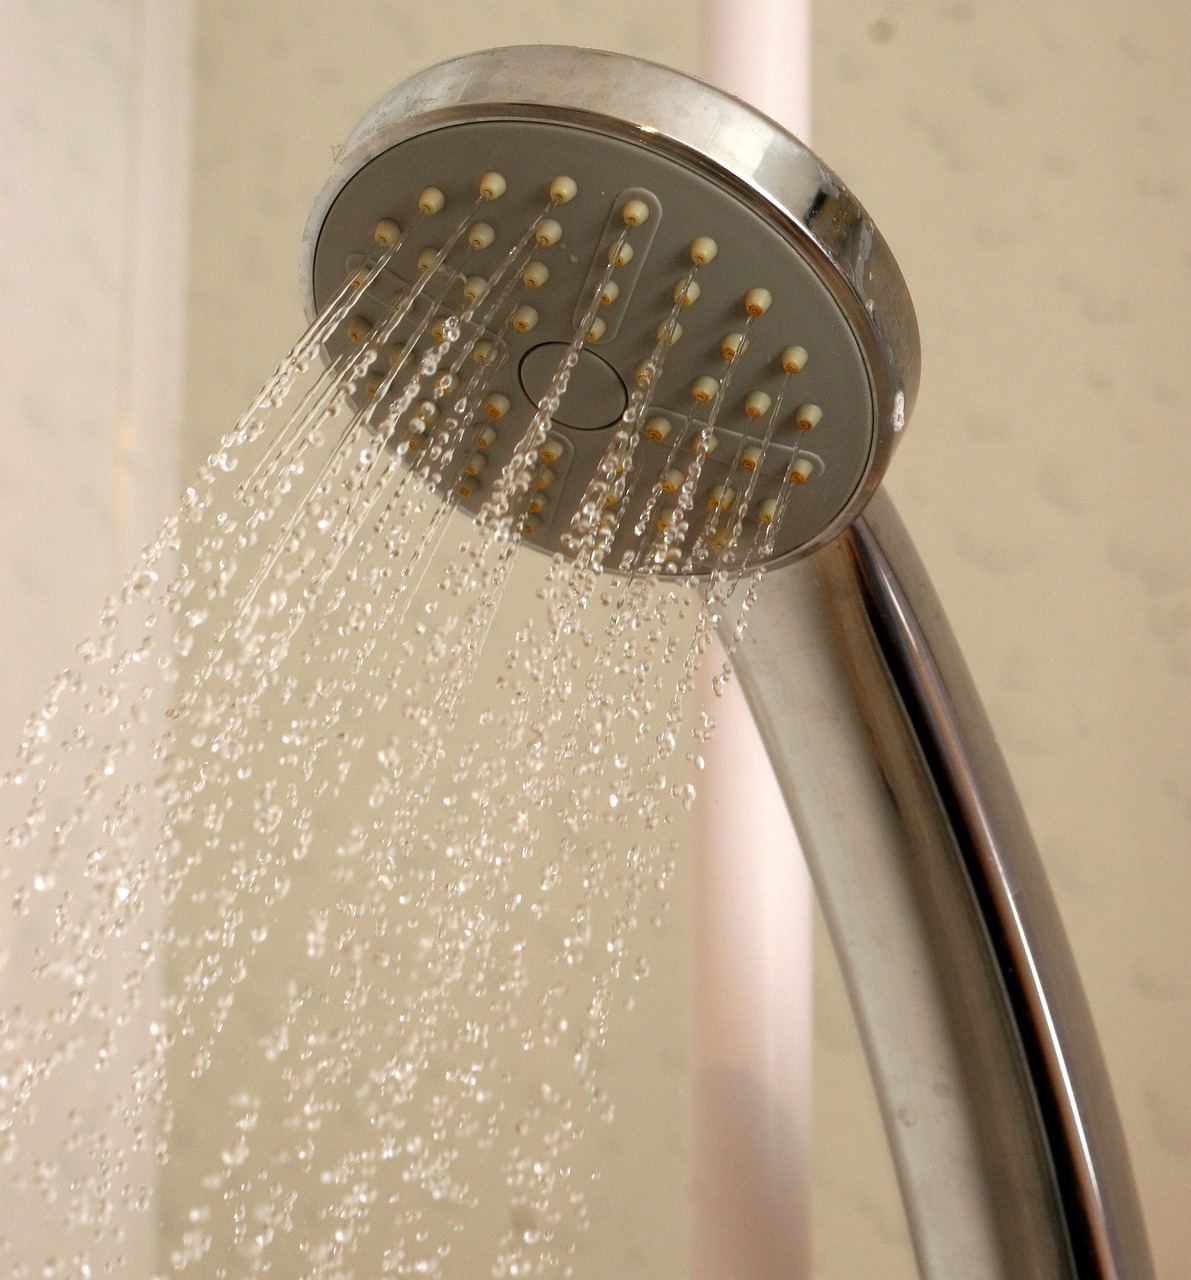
(268, 836)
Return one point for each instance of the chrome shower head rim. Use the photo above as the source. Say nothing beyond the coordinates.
(724, 140)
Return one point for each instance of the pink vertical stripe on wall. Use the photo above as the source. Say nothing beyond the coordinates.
(751, 1021)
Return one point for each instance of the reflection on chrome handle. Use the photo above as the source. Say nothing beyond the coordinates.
(995, 1097)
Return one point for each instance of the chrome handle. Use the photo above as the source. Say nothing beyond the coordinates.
(993, 1090)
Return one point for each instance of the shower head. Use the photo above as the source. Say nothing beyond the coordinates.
(735, 346)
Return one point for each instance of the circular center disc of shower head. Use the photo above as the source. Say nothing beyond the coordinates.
(595, 396)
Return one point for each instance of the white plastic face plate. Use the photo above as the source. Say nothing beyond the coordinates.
(684, 205)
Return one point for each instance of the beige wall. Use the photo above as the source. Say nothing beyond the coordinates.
(94, 186)
(1031, 166)
(91, 183)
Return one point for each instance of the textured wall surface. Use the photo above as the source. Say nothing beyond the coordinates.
(94, 166)
(1030, 164)
(80, 184)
